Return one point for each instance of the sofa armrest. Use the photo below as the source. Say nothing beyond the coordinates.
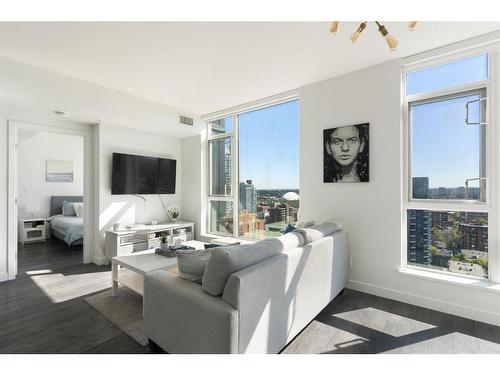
(181, 318)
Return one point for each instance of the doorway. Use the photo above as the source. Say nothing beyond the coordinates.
(45, 174)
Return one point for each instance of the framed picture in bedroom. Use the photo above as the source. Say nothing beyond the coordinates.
(346, 156)
(59, 171)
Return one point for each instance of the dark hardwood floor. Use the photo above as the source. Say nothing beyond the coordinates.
(30, 320)
(43, 311)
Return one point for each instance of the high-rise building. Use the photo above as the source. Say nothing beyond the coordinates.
(419, 236)
(440, 219)
(420, 187)
(419, 225)
(277, 214)
(475, 237)
(227, 170)
(220, 178)
(248, 196)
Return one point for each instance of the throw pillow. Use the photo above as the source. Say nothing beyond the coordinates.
(68, 209)
(78, 207)
(316, 232)
(305, 224)
(191, 264)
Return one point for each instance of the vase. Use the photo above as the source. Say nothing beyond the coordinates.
(174, 220)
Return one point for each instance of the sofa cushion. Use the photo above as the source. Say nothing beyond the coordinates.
(191, 264)
(317, 231)
(227, 260)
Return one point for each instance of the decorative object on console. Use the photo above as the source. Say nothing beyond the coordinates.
(173, 211)
(346, 153)
(164, 242)
(116, 227)
(59, 171)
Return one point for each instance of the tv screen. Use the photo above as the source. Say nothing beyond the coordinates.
(133, 174)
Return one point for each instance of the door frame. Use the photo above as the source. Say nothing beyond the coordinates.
(82, 130)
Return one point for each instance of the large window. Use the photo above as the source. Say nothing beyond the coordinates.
(254, 164)
(446, 197)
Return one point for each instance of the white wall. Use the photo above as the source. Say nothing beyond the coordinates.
(128, 209)
(3, 197)
(33, 152)
(193, 182)
(371, 212)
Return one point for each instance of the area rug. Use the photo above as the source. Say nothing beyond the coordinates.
(124, 311)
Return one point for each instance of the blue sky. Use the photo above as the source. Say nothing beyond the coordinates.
(444, 148)
(269, 146)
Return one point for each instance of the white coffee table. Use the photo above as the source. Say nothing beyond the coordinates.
(135, 266)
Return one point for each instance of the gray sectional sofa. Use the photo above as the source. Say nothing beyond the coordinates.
(253, 299)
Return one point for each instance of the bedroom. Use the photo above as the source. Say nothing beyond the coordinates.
(50, 197)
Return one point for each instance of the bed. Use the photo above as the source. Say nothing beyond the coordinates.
(66, 228)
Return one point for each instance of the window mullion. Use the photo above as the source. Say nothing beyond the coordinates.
(235, 173)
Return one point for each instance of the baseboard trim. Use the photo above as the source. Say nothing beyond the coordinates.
(100, 260)
(4, 277)
(426, 302)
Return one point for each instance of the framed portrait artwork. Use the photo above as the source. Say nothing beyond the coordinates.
(346, 153)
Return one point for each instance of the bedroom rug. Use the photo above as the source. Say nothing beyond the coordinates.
(124, 311)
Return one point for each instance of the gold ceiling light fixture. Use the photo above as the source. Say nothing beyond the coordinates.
(392, 42)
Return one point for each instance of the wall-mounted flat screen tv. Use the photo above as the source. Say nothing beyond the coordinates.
(134, 174)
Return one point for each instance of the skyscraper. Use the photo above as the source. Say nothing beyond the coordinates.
(419, 226)
(248, 197)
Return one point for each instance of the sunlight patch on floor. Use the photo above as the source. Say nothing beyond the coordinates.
(38, 272)
(385, 322)
(61, 288)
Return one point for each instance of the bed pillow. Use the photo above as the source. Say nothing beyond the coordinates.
(78, 206)
(68, 209)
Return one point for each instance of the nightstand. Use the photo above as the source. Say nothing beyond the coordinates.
(32, 230)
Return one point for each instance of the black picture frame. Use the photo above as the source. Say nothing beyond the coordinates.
(346, 153)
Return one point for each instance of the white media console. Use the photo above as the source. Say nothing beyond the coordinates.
(128, 241)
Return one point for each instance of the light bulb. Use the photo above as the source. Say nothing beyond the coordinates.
(412, 25)
(355, 36)
(357, 33)
(391, 42)
(334, 27)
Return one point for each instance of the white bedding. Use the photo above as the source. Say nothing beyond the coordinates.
(70, 226)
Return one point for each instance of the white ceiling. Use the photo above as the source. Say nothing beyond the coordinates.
(208, 66)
